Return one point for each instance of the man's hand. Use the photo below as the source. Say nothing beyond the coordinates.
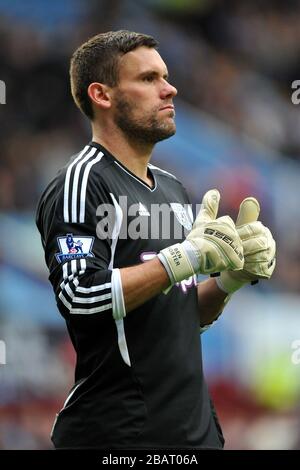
(212, 245)
(259, 249)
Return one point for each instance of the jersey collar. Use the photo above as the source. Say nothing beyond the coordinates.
(123, 167)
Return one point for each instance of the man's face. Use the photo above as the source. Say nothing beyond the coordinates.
(143, 107)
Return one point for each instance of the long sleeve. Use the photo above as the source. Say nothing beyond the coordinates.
(79, 258)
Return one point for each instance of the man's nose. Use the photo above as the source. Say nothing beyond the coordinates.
(168, 90)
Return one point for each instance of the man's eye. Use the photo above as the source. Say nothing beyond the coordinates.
(149, 78)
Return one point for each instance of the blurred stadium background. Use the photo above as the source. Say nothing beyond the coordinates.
(233, 63)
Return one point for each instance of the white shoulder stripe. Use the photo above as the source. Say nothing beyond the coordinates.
(82, 265)
(64, 301)
(67, 183)
(78, 267)
(75, 189)
(88, 290)
(70, 278)
(75, 183)
(84, 185)
(91, 300)
(74, 276)
(65, 270)
(69, 291)
(89, 311)
(74, 266)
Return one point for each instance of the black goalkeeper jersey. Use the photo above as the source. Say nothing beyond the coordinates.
(138, 380)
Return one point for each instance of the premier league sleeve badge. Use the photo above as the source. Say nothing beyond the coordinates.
(74, 246)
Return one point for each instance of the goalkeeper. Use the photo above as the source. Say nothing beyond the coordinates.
(135, 325)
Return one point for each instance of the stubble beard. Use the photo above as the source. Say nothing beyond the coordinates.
(148, 129)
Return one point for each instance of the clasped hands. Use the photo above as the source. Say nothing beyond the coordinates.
(242, 252)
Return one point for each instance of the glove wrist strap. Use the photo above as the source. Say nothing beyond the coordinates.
(177, 262)
(228, 283)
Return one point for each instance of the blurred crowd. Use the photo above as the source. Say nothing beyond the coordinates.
(239, 62)
(233, 61)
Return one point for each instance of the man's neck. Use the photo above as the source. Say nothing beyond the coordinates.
(133, 155)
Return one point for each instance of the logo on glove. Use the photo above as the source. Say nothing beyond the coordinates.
(225, 238)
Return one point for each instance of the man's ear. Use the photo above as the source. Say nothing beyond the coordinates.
(100, 95)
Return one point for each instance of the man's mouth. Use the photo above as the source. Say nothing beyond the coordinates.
(168, 106)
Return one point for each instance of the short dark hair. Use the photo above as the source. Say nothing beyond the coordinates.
(97, 60)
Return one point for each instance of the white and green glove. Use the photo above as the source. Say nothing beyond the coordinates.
(212, 245)
(259, 249)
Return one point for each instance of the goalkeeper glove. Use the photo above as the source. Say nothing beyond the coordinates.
(259, 249)
(212, 245)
